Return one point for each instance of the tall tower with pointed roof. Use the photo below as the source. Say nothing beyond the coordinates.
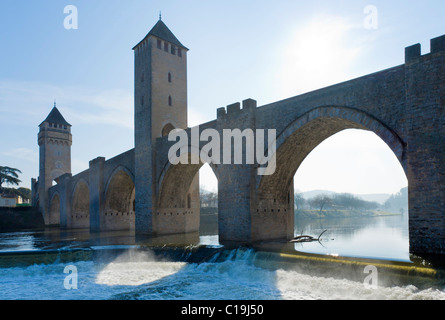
(160, 82)
(55, 142)
(160, 103)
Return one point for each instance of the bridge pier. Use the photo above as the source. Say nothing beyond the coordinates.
(96, 186)
(234, 203)
(65, 199)
(425, 128)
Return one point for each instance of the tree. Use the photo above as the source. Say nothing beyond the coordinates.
(320, 201)
(398, 201)
(299, 200)
(9, 176)
(24, 192)
(208, 198)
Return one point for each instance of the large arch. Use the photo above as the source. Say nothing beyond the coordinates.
(80, 212)
(305, 133)
(54, 210)
(274, 203)
(119, 210)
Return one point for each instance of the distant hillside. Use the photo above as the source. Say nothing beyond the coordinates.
(377, 197)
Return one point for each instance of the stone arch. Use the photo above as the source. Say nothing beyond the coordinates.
(54, 210)
(178, 201)
(273, 207)
(166, 129)
(175, 182)
(80, 212)
(119, 213)
(305, 133)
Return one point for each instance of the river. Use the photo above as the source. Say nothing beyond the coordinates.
(381, 237)
(237, 273)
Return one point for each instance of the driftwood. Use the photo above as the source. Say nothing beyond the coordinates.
(305, 238)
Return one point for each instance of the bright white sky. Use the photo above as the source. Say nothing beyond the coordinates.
(265, 50)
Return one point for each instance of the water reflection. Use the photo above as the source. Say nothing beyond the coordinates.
(54, 238)
(380, 237)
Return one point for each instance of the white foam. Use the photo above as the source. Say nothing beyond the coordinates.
(139, 276)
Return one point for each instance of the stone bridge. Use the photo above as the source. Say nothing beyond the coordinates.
(101, 198)
(403, 105)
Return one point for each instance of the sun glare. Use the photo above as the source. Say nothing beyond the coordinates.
(318, 54)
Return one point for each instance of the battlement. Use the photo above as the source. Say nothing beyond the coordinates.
(248, 104)
(412, 53)
(97, 160)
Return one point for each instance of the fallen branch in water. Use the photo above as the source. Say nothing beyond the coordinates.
(305, 238)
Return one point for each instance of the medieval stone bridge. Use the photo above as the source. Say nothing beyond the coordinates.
(404, 106)
(141, 190)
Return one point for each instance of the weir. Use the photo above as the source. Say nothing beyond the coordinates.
(390, 273)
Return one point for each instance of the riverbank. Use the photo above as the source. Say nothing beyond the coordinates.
(316, 214)
(20, 218)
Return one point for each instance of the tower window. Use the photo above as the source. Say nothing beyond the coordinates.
(169, 77)
(142, 77)
(179, 52)
(165, 46)
(169, 100)
(173, 50)
(142, 100)
(159, 44)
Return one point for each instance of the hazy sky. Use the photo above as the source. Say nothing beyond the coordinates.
(265, 50)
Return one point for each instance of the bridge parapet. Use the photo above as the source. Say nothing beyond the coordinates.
(413, 53)
(235, 108)
(437, 44)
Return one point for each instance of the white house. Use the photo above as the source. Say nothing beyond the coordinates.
(10, 200)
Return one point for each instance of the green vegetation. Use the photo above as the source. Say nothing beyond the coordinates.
(325, 205)
(348, 205)
(9, 176)
(339, 213)
(208, 199)
(398, 202)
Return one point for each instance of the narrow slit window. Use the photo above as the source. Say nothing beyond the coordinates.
(169, 100)
(169, 77)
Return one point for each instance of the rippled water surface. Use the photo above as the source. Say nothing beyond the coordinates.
(139, 276)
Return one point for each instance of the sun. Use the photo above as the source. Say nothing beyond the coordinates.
(318, 54)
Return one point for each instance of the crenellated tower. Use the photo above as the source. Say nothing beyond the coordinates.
(55, 142)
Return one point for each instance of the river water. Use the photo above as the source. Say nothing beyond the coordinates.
(238, 275)
(379, 237)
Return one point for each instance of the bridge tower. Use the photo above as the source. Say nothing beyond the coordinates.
(160, 105)
(55, 140)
